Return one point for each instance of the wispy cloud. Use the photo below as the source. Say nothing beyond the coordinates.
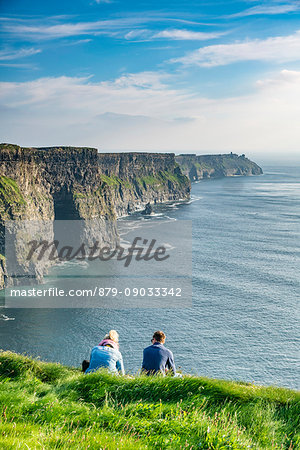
(131, 27)
(76, 42)
(285, 78)
(19, 66)
(274, 49)
(185, 35)
(138, 35)
(53, 29)
(269, 9)
(171, 34)
(150, 115)
(8, 54)
(145, 80)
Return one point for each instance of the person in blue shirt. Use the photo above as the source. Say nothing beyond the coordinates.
(107, 355)
(157, 358)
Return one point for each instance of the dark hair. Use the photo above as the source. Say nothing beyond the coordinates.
(159, 336)
(85, 365)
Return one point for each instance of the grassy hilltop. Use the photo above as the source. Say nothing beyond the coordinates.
(46, 405)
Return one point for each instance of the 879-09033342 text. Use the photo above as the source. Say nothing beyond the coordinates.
(99, 292)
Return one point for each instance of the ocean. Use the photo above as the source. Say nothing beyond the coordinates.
(243, 323)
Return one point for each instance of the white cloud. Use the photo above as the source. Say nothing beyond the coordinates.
(171, 34)
(53, 30)
(8, 54)
(138, 35)
(268, 9)
(19, 66)
(141, 112)
(175, 34)
(149, 80)
(135, 94)
(129, 27)
(274, 49)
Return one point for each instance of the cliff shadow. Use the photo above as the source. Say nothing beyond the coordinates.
(67, 225)
(64, 205)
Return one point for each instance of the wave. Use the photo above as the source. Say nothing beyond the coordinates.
(4, 317)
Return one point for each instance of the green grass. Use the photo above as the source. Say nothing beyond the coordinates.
(162, 178)
(159, 180)
(113, 180)
(46, 405)
(148, 180)
(11, 199)
(176, 177)
(9, 190)
(78, 195)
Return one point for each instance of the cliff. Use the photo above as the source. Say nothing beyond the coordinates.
(40, 185)
(68, 183)
(197, 167)
(136, 179)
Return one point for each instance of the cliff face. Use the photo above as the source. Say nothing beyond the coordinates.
(197, 167)
(78, 183)
(46, 184)
(52, 183)
(136, 179)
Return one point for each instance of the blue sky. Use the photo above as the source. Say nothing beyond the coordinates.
(201, 76)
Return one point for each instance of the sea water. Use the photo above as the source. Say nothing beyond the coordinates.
(244, 320)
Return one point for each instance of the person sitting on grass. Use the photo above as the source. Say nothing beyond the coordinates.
(157, 358)
(106, 355)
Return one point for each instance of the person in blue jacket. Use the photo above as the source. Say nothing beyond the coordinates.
(157, 358)
(107, 355)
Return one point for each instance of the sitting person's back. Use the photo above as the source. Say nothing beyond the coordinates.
(107, 355)
(157, 358)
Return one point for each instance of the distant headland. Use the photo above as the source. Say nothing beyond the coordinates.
(197, 167)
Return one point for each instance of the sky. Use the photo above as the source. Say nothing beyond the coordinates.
(208, 76)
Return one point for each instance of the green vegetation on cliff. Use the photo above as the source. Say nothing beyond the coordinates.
(111, 181)
(159, 180)
(89, 202)
(46, 405)
(9, 191)
(11, 199)
(162, 177)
